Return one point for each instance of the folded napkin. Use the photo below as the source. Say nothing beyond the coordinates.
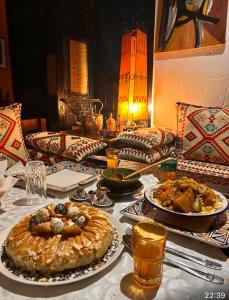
(6, 182)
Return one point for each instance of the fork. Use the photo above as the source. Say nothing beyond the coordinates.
(206, 276)
(203, 262)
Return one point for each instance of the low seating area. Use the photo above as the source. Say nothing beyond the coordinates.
(201, 142)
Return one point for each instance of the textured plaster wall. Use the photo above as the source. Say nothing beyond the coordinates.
(202, 80)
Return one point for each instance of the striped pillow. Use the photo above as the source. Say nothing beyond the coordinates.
(64, 145)
(147, 138)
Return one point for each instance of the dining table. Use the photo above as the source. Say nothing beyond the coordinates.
(116, 280)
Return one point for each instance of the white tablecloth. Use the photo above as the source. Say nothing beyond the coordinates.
(116, 281)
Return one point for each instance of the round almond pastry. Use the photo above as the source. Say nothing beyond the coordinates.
(59, 237)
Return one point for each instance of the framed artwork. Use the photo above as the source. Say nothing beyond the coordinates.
(2, 53)
(190, 24)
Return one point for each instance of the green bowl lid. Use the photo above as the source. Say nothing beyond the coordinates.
(170, 165)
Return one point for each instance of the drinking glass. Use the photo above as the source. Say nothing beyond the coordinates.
(35, 182)
(149, 241)
(168, 170)
(112, 158)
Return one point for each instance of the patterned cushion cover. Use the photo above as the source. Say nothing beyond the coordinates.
(204, 133)
(147, 138)
(12, 146)
(64, 145)
(204, 168)
(49, 159)
(146, 156)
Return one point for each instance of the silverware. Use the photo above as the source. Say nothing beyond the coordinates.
(203, 262)
(206, 276)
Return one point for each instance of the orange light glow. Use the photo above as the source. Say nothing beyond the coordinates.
(132, 96)
(133, 108)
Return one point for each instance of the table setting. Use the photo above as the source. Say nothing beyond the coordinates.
(194, 266)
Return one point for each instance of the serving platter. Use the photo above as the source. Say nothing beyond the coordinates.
(8, 269)
(221, 198)
(217, 235)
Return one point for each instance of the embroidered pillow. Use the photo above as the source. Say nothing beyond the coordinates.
(204, 168)
(149, 156)
(12, 146)
(64, 145)
(49, 159)
(147, 138)
(204, 133)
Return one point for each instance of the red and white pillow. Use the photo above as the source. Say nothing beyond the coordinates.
(204, 133)
(49, 159)
(64, 145)
(149, 156)
(12, 146)
(147, 138)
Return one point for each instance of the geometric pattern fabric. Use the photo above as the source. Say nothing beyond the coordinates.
(12, 146)
(147, 138)
(204, 133)
(149, 156)
(64, 145)
(48, 159)
(199, 167)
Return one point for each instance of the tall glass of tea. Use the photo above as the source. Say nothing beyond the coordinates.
(112, 158)
(149, 240)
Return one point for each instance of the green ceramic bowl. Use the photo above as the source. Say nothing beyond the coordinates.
(107, 173)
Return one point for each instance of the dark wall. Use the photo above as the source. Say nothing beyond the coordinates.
(37, 28)
(28, 55)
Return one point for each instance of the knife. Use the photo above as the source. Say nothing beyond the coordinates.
(204, 262)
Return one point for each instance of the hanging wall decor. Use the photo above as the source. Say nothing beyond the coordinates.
(2, 53)
(188, 24)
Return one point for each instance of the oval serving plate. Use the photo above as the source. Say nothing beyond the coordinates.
(221, 209)
(67, 276)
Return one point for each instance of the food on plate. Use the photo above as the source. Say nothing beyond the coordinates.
(59, 237)
(186, 195)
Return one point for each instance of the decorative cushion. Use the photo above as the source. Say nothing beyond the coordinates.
(49, 159)
(204, 168)
(146, 156)
(64, 145)
(204, 133)
(147, 138)
(12, 146)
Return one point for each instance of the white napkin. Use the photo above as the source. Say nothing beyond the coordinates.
(16, 170)
(6, 182)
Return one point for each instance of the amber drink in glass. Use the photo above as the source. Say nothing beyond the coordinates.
(149, 241)
(112, 158)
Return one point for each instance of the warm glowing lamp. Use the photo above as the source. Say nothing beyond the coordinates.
(132, 95)
(133, 108)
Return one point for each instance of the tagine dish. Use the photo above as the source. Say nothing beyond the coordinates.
(187, 196)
